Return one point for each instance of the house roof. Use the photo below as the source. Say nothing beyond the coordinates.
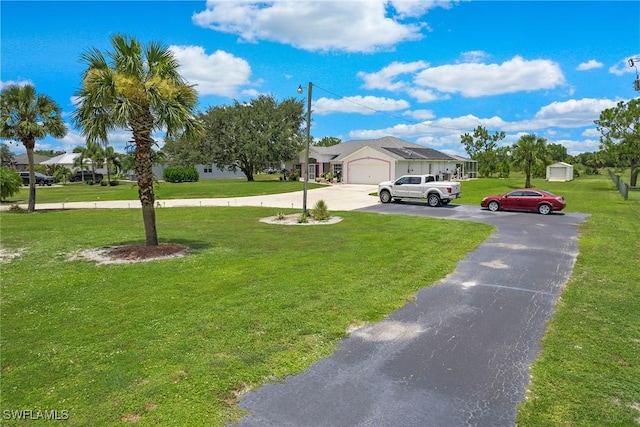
(22, 159)
(63, 159)
(394, 147)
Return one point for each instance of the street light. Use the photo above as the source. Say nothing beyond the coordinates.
(306, 156)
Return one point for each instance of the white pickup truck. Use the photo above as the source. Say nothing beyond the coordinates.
(436, 193)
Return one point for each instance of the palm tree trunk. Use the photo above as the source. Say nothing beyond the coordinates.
(144, 170)
(29, 145)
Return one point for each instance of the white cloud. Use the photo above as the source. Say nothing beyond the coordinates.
(623, 66)
(589, 65)
(358, 104)
(475, 80)
(384, 79)
(220, 73)
(474, 56)
(445, 131)
(420, 114)
(351, 26)
(573, 113)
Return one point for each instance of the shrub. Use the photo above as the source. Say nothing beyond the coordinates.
(181, 174)
(302, 219)
(320, 211)
(10, 182)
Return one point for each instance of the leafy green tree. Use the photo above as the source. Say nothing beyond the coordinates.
(528, 153)
(27, 116)
(7, 158)
(182, 151)
(503, 154)
(619, 129)
(328, 141)
(481, 147)
(557, 152)
(10, 182)
(48, 153)
(137, 88)
(251, 136)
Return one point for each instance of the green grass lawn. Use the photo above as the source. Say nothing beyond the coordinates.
(127, 190)
(158, 343)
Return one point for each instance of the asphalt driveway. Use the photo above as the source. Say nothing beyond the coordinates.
(458, 355)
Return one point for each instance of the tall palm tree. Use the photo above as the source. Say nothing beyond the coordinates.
(137, 88)
(27, 116)
(529, 151)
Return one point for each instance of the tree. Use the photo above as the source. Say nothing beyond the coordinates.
(328, 141)
(619, 129)
(557, 152)
(7, 158)
(62, 174)
(10, 182)
(27, 116)
(251, 136)
(527, 153)
(92, 155)
(182, 151)
(112, 160)
(137, 88)
(481, 147)
(49, 153)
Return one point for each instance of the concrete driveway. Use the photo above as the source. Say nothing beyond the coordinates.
(459, 355)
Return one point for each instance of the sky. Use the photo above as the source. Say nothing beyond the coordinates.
(424, 71)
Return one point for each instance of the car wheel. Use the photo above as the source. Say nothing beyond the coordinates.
(544, 209)
(493, 206)
(433, 200)
(385, 196)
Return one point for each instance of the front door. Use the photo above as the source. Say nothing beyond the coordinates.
(311, 171)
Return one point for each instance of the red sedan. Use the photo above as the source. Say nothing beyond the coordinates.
(525, 199)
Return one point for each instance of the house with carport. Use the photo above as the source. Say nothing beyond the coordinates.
(375, 160)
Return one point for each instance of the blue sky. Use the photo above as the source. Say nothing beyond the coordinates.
(423, 71)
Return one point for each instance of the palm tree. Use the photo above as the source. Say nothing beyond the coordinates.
(111, 158)
(137, 88)
(529, 151)
(26, 117)
(81, 160)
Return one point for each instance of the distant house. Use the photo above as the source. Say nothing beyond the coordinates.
(68, 161)
(21, 163)
(560, 171)
(376, 160)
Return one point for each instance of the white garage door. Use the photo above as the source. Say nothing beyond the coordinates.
(556, 174)
(368, 171)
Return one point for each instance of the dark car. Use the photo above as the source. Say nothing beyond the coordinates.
(85, 176)
(525, 199)
(41, 179)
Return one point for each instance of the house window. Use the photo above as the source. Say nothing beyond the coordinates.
(337, 171)
(208, 169)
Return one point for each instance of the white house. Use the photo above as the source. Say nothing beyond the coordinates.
(376, 160)
(560, 171)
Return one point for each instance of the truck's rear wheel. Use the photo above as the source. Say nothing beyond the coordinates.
(385, 196)
(433, 200)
